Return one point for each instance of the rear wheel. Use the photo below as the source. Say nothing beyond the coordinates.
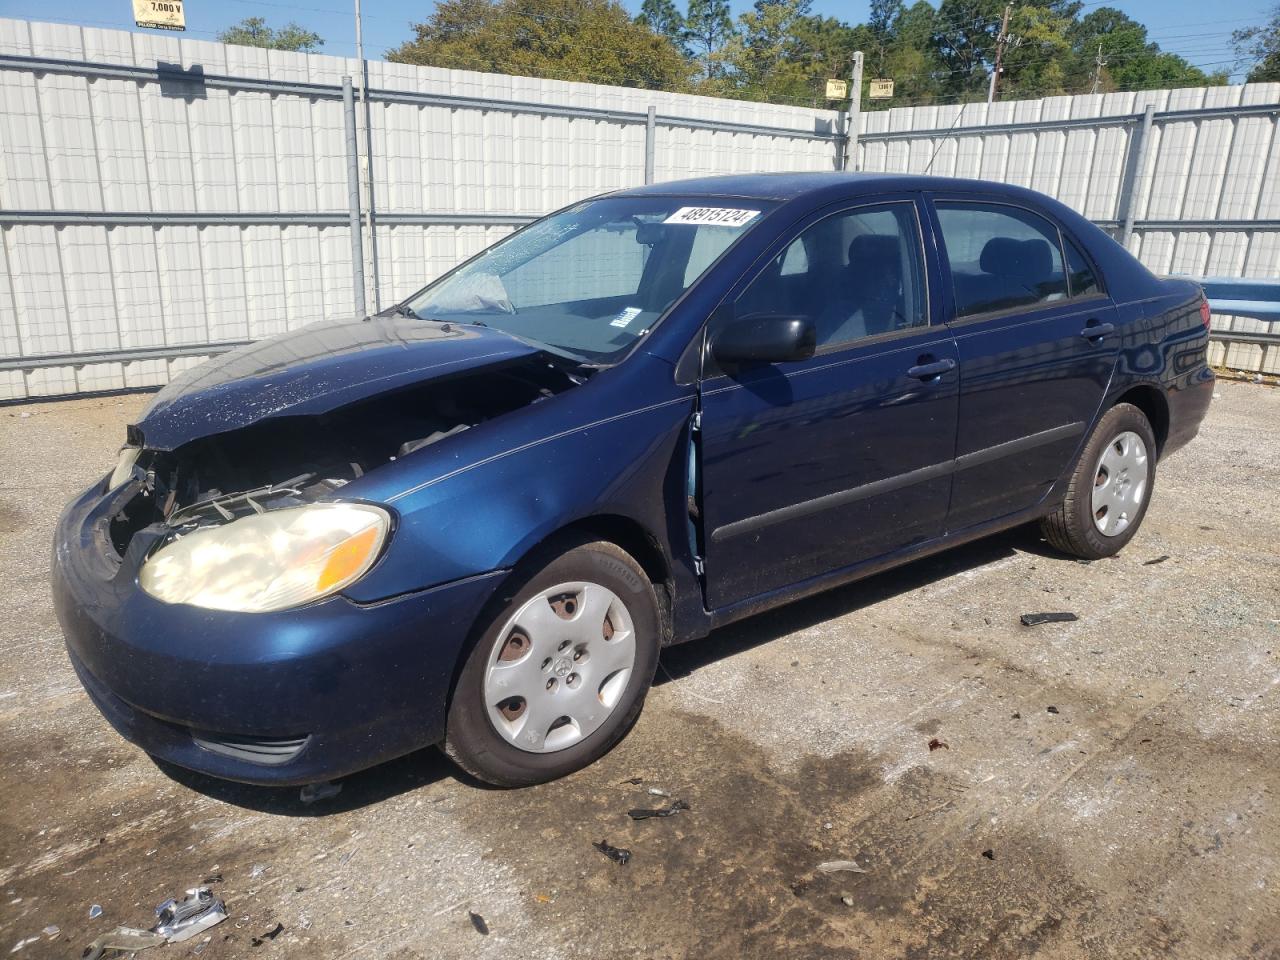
(1108, 494)
(561, 672)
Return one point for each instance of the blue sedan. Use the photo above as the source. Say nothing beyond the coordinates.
(476, 519)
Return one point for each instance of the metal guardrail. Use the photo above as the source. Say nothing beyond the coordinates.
(1234, 296)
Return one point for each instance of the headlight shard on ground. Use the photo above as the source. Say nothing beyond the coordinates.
(269, 561)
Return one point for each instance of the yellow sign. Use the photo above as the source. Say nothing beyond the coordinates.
(159, 14)
(837, 89)
(880, 90)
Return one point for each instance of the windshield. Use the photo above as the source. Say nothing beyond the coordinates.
(590, 280)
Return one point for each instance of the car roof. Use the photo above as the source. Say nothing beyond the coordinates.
(791, 186)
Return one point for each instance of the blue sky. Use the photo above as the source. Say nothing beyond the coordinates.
(1182, 26)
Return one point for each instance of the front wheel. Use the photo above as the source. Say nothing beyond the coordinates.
(561, 671)
(1110, 489)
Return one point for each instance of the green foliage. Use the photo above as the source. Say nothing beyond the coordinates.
(708, 28)
(254, 32)
(1260, 46)
(594, 41)
(780, 51)
(662, 17)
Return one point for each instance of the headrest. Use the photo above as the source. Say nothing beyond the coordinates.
(873, 250)
(1030, 261)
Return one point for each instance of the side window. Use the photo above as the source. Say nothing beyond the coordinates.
(855, 274)
(1001, 257)
(1079, 271)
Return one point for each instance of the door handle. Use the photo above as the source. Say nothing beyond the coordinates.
(931, 370)
(1096, 331)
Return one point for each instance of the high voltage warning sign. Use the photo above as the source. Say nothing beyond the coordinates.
(159, 14)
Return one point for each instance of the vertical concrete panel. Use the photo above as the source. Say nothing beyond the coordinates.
(36, 280)
(135, 271)
(24, 171)
(88, 280)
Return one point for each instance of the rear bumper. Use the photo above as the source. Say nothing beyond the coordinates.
(283, 698)
(1188, 403)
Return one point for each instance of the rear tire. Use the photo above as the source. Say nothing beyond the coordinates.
(560, 671)
(1108, 494)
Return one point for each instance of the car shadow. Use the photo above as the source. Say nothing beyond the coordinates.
(425, 767)
(680, 661)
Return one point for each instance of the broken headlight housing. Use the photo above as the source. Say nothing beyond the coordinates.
(125, 460)
(269, 561)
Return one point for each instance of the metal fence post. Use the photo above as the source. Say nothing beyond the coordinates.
(353, 197)
(650, 146)
(1137, 160)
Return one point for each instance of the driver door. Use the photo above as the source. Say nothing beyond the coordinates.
(815, 465)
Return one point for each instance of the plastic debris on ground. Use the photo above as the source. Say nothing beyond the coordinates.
(1035, 619)
(670, 811)
(1051, 709)
(52, 930)
(840, 866)
(314, 792)
(658, 792)
(195, 913)
(936, 744)
(95, 912)
(477, 921)
(256, 871)
(21, 944)
(124, 940)
(271, 934)
(1154, 560)
(616, 854)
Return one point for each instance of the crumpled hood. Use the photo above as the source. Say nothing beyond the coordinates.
(317, 369)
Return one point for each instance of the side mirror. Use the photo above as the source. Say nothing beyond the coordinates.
(764, 338)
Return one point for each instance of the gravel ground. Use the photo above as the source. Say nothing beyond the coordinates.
(1103, 788)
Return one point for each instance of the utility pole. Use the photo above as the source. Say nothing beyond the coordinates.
(1002, 39)
(855, 110)
(1098, 64)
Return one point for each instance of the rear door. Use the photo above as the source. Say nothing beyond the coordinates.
(810, 466)
(1037, 344)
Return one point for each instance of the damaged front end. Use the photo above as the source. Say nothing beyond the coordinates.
(268, 478)
(207, 589)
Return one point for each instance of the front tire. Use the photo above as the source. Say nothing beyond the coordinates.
(560, 672)
(1110, 489)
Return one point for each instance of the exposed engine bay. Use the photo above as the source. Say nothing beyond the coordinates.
(291, 460)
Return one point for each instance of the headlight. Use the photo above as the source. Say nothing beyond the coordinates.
(124, 466)
(269, 561)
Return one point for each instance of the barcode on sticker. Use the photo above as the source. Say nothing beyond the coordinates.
(713, 216)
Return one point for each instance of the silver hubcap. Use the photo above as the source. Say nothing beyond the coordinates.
(559, 667)
(1119, 484)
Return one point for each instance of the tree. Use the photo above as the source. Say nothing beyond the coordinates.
(592, 41)
(708, 28)
(1261, 47)
(1132, 61)
(662, 17)
(254, 32)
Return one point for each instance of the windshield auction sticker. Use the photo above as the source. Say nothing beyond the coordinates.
(713, 216)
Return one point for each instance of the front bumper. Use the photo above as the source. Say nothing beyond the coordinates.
(289, 697)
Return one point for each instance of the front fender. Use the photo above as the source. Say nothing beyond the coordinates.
(488, 513)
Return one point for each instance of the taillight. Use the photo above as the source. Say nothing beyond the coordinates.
(1204, 312)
